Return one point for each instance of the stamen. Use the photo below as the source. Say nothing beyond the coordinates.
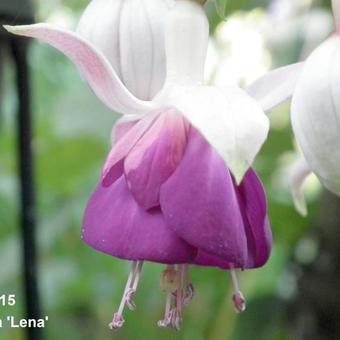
(188, 294)
(189, 291)
(128, 296)
(238, 298)
(167, 315)
(172, 319)
(130, 299)
(131, 293)
(177, 319)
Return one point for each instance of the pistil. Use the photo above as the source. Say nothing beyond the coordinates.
(172, 283)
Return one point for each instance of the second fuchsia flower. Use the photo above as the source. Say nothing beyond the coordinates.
(316, 117)
(177, 187)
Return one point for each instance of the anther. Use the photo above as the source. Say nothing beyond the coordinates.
(239, 302)
(166, 322)
(238, 298)
(173, 320)
(177, 320)
(117, 322)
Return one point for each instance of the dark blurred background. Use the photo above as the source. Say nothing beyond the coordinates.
(295, 296)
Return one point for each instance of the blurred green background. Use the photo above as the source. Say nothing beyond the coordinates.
(81, 288)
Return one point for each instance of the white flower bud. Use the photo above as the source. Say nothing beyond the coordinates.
(130, 33)
(316, 113)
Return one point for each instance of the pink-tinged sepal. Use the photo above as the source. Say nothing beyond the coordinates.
(91, 62)
(121, 127)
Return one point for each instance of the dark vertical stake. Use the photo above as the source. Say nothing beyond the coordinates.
(19, 49)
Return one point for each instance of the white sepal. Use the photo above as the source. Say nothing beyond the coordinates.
(276, 86)
(316, 113)
(230, 120)
(130, 33)
(94, 66)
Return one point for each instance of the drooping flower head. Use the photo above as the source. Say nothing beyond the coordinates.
(177, 186)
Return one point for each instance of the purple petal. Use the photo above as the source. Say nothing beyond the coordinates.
(155, 157)
(253, 205)
(125, 143)
(200, 204)
(208, 260)
(116, 225)
(116, 170)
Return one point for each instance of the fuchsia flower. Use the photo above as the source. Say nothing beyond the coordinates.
(316, 117)
(177, 187)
